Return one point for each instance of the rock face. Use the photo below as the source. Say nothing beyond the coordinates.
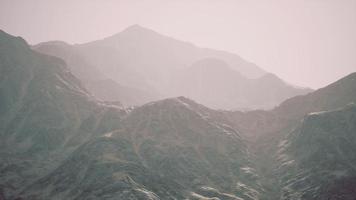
(140, 65)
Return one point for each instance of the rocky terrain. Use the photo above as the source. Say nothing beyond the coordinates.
(58, 141)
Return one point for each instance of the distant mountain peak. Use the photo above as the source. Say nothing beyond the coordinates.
(134, 32)
(136, 28)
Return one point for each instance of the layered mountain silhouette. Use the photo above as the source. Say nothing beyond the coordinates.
(145, 65)
(212, 82)
(93, 79)
(58, 141)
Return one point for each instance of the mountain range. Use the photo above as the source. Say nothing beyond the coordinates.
(140, 65)
(59, 141)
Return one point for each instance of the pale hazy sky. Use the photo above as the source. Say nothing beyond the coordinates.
(306, 42)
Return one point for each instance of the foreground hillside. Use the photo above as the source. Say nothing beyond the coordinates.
(317, 160)
(305, 147)
(45, 114)
(163, 150)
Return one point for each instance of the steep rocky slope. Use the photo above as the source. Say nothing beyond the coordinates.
(296, 143)
(45, 114)
(318, 160)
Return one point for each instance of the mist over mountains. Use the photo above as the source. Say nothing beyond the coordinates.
(65, 135)
(148, 66)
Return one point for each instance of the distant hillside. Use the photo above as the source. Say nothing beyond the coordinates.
(159, 67)
(213, 83)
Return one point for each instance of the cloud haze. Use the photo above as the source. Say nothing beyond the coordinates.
(308, 43)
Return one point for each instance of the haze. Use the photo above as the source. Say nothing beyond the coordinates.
(307, 43)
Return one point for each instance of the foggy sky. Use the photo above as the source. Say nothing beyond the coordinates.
(305, 42)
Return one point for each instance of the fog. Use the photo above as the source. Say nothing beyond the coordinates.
(308, 43)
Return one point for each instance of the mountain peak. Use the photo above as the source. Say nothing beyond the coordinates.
(134, 31)
(136, 28)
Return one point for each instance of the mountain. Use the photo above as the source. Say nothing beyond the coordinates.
(110, 90)
(96, 82)
(318, 160)
(59, 142)
(289, 113)
(139, 47)
(305, 147)
(333, 96)
(78, 64)
(163, 150)
(45, 114)
(213, 83)
(140, 59)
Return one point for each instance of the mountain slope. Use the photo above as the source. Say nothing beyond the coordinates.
(289, 113)
(156, 51)
(163, 150)
(270, 131)
(333, 96)
(213, 83)
(45, 113)
(93, 79)
(318, 161)
(58, 142)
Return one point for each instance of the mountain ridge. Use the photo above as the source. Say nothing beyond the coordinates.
(144, 60)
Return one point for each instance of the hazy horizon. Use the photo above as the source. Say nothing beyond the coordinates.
(306, 43)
